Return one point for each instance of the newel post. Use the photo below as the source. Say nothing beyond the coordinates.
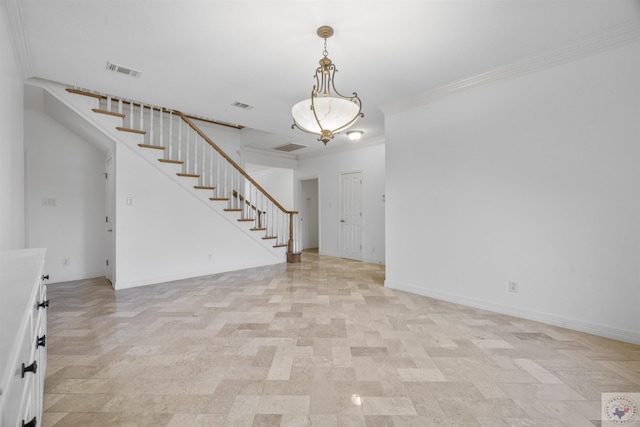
(292, 255)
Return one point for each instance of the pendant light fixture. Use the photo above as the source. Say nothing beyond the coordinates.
(327, 112)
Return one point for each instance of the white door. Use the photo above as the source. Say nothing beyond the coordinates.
(351, 215)
(109, 223)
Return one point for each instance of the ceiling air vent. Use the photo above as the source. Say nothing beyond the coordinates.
(243, 105)
(290, 147)
(124, 70)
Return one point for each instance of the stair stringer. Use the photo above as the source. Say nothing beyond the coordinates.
(82, 106)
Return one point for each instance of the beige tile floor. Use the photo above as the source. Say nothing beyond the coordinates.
(320, 343)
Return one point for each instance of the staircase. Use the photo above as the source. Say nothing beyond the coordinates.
(173, 143)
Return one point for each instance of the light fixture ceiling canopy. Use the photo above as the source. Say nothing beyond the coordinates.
(326, 112)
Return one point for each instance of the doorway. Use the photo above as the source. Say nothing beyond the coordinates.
(309, 217)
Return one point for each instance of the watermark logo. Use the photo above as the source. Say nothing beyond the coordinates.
(620, 409)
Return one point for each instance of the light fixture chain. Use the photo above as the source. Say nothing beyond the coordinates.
(324, 52)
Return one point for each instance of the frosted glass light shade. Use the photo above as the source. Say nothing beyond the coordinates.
(334, 114)
(355, 135)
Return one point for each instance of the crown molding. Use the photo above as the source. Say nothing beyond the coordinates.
(13, 17)
(588, 45)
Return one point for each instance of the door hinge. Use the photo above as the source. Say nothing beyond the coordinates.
(106, 219)
(106, 175)
(107, 263)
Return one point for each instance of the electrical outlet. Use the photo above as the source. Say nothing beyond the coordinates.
(513, 287)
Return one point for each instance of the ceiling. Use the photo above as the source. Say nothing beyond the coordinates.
(200, 57)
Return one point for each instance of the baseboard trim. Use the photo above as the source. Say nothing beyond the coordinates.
(547, 318)
(59, 278)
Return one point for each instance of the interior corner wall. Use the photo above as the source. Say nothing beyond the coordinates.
(327, 168)
(65, 199)
(12, 232)
(534, 180)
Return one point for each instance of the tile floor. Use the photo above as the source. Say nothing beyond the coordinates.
(321, 343)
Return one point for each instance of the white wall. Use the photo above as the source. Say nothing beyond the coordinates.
(11, 146)
(534, 180)
(168, 234)
(63, 167)
(226, 138)
(327, 168)
(276, 181)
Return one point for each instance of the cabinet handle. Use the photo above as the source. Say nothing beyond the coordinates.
(43, 304)
(45, 277)
(31, 368)
(32, 423)
(42, 341)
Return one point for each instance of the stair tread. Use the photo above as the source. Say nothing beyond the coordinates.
(232, 210)
(139, 132)
(153, 147)
(82, 92)
(246, 219)
(188, 175)
(258, 229)
(281, 245)
(108, 113)
(175, 162)
(269, 237)
(219, 199)
(203, 187)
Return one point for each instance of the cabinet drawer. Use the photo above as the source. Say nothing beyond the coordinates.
(19, 387)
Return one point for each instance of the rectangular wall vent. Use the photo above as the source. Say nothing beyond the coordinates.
(124, 70)
(290, 147)
(243, 105)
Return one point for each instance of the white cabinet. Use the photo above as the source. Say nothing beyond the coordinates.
(23, 314)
